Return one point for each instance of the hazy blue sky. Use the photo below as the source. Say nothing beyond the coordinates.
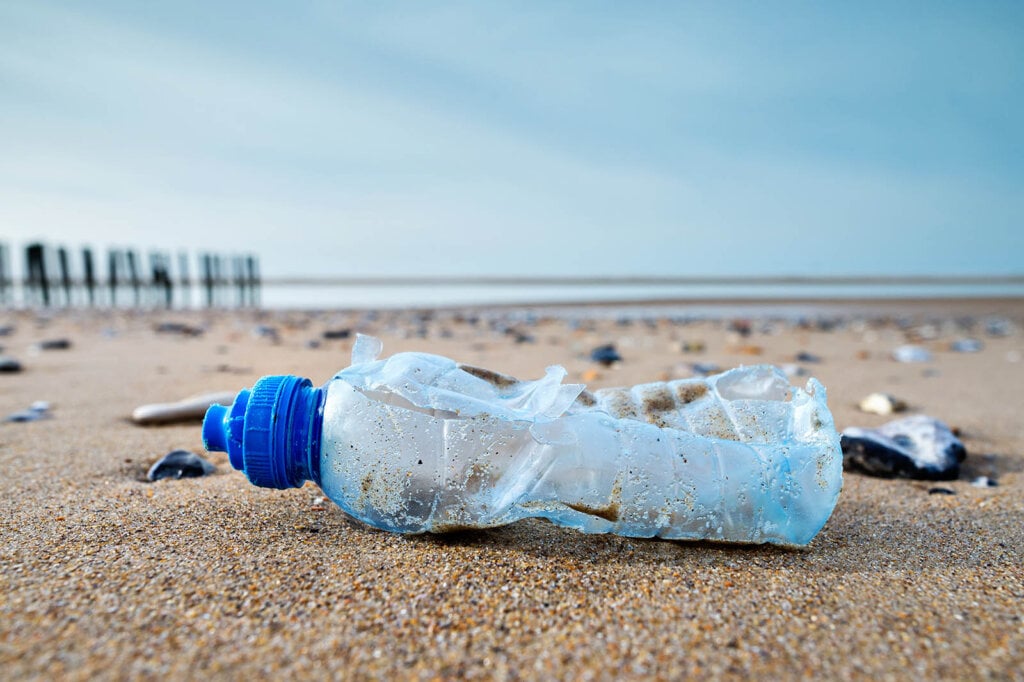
(535, 138)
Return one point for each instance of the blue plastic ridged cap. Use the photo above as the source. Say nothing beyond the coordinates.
(271, 432)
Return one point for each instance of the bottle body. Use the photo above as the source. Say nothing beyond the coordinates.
(417, 443)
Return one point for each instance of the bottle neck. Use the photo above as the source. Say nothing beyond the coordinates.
(299, 437)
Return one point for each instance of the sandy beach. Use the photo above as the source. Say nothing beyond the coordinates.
(106, 575)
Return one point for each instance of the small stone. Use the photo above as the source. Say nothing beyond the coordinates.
(605, 355)
(179, 328)
(9, 365)
(180, 464)
(313, 344)
(264, 331)
(911, 353)
(704, 368)
(40, 409)
(966, 346)
(54, 344)
(692, 346)
(984, 482)
(7, 329)
(998, 326)
(748, 349)
(337, 334)
(882, 403)
(941, 491)
(918, 447)
(804, 356)
(590, 375)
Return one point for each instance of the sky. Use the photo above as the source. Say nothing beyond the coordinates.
(533, 138)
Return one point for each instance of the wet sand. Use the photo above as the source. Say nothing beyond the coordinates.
(103, 574)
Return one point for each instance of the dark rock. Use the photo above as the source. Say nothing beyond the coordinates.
(337, 334)
(941, 491)
(9, 365)
(179, 328)
(54, 344)
(984, 482)
(180, 464)
(804, 356)
(913, 447)
(313, 344)
(605, 355)
(704, 368)
(7, 330)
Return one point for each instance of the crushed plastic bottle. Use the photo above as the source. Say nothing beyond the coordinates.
(419, 443)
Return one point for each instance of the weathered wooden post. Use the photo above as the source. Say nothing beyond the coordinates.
(89, 275)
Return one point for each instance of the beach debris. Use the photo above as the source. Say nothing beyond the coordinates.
(911, 353)
(804, 356)
(984, 482)
(918, 446)
(40, 409)
(939, 490)
(178, 328)
(966, 346)
(791, 370)
(190, 409)
(692, 346)
(180, 464)
(643, 445)
(998, 326)
(9, 365)
(703, 369)
(741, 327)
(53, 344)
(882, 403)
(265, 331)
(605, 355)
(337, 334)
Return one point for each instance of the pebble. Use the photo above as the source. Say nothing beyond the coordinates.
(189, 409)
(998, 326)
(919, 447)
(941, 491)
(40, 409)
(882, 403)
(179, 328)
(692, 346)
(911, 353)
(9, 365)
(337, 334)
(966, 346)
(54, 344)
(605, 355)
(804, 356)
(264, 331)
(984, 482)
(704, 368)
(180, 464)
(7, 330)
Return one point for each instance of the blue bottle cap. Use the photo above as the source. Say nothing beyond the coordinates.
(271, 432)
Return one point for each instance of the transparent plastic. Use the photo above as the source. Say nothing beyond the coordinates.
(419, 443)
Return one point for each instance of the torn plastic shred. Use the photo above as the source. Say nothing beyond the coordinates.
(420, 443)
